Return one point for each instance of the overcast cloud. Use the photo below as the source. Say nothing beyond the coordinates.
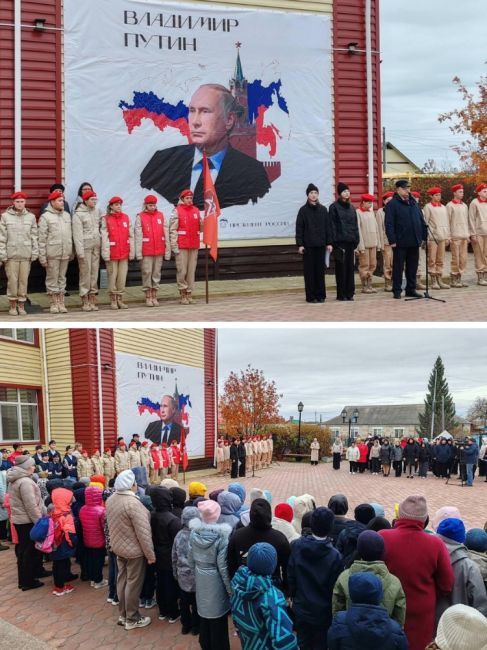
(424, 44)
(328, 368)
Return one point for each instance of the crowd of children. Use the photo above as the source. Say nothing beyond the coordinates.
(306, 576)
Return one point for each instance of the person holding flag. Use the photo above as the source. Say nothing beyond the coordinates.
(184, 235)
(175, 456)
(183, 452)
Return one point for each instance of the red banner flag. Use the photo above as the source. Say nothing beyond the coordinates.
(182, 450)
(212, 211)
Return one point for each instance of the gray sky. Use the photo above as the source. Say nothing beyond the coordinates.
(326, 368)
(424, 44)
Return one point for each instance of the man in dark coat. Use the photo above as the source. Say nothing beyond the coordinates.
(405, 230)
(313, 238)
(213, 114)
(234, 459)
(259, 530)
(338, 504)
(241, 454)
(345, 240)
(165, 429)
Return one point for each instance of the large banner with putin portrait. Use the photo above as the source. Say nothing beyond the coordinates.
(151, 85)
(157, 400)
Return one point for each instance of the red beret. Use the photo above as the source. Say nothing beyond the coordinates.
(18, 195)
(434, 190)
(115, 199)
(284, 511)
(121, 444)
(89, 194)
(145, 443)
(416, 195)
(185, 193)
(482, 186)
(96, 450)
(456, 187)
(387, 195)
(132, 444)
(368, 197)
(107, 449)
(150, 198)
(57, 194)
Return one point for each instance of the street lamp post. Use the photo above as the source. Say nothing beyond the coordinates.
(300, 410)
(353, 418)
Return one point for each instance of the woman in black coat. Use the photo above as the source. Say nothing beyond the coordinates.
(234, 459)
(241, 453)
(410, 457)
(424, 456)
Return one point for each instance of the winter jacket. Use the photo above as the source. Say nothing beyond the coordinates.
(79, 501)
(477, 218)
(480, 560)
(70, 465)
(25, 496)
(121, 457)
(286, 528)
(442, 453)
(424, 454)
(208, 560)
(345, 224)
(18, 236)
(86, 229)
(468, 588)
(374, 451)
(364, 451)
(313, 569)
(180, 552)
(365, 626)
(84, 467)
(386, 454)
(96, 465)
(151, 234)
(230, 505)
(347, 542)
(259, 530)
(184, 228)
(129, 526)
(134, 457)
(303, 504)
(393, 598)
(397, 453)
(405, 225)
(92, 517)
(259, 613)
(313, 226)
(3, 492)
(117, 237)
(55, 235)
(436, 216)
(165, 526)
(422, 564)
(108, 465)
(367, 227)
(353, 454)
(410, 453)
(471, 454)
(178, 498)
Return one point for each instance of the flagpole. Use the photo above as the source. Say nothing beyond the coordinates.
(206, 272)
(205, 166)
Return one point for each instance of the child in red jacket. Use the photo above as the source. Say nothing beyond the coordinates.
(92, 517)
(117, 248)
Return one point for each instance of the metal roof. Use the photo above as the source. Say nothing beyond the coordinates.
(380, 415)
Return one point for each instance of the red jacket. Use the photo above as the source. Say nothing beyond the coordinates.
(165, 457)
(153, 240)
(92, 517)
(422, 564)
(176, 454)
(364, 450)
(188, 226)
(156, 457)
(118, 228)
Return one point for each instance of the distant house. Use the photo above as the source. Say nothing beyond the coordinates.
(398, 163)
(390, 421)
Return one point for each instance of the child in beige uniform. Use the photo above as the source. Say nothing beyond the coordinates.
(477, 223)
(436, 217)
(369, 242)
(459, 235)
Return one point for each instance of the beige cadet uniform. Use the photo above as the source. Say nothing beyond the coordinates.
(122, 461)
(134, 458)
(145, 457)
(151, 265)
(270, 445)
(18, 248)
(477, 223)
(55, 250)
(437, 220)
(386, 249)
(97, 465)
(249, 455)
(87, 241)
(226, 456)
(108, 467)
(220, 459)
(459, 235)
(367, 248)
(84, 466)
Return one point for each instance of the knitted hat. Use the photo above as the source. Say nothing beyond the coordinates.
(414, 507)
(476, 540)
(462, 628)
(378, 509)
(322, 520)
(98, 478)
(370, 546)
(214, 494)
(256, 493)
(169, 483)
(453, 529)
(378, 523)
(291, 500)
(341, 187)
(363, 513)
(196, 489)
(284, 511)
(210, 511)
(124, 480)
(311, 188)
(262, 559)
(24, 462)
(444, 513)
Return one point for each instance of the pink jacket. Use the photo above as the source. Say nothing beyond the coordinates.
(92, 517)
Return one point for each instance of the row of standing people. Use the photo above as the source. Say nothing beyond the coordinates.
(243, 455)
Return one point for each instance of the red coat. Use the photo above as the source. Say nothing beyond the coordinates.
(118, 229)
(153, 240)
(364, 450)
(92, 517)
(422, 564)
(188, 226)
(165, 457)
(156, 457)
(176, 454)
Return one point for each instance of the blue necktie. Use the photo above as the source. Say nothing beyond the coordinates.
(165, 432)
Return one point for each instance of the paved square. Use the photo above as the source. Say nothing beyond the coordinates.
(84, 618)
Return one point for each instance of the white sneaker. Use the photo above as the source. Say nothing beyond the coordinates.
(92, 583)
(121, 621)
(142, 622)
(109, 600)
(100, 585)
(149, 604)
(174, 620)
(161, 617)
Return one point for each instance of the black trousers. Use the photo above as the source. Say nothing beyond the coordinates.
(29, 559)
(397, 464)
(167, 593)
(345, 270)
(149, 585)
(95, 557)
(311, 638)
(404, 258)
(353, 466)
(234, 469)
(214, 633)
(336, 461)
(3, 529)
(374, 465)
(190, 619)
(241, 468)
(61, 570)
(314, 273)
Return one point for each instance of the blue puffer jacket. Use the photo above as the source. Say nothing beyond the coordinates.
(404, 222)
(259, 613)
(366, 625)
(471, 454)
(230, 505)
(442, 453)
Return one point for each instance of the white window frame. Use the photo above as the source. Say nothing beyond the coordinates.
(18, 403)
(6, 337)
(399, 432)
(378, 431)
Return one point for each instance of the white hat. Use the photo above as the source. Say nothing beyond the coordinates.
(124, 480)
(462, 628)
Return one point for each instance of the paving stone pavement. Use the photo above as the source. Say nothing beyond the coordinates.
(84, 618)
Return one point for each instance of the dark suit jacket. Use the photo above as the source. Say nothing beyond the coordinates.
(154, 432)
(240, 179)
